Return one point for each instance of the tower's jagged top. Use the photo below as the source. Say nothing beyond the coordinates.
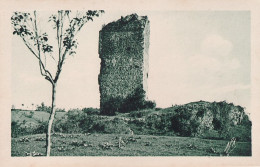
(130, 22)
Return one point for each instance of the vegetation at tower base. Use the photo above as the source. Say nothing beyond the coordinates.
(123, 50)
(133, 102)
(216, 120)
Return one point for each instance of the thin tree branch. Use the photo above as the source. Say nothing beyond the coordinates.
(58, 27)
(53, 58)
(29, 47)
(29, 25)
(61, 33)
(40, 62)
(42, 67)
(62, 58)
(73, 34)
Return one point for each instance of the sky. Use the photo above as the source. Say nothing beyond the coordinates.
(193, 55)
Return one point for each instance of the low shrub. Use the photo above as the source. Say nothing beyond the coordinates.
(15, 129)
(182, 123)
(60, 110)
(91, 123)
(117, 126)
(73, 121)
(241, 133)
(137, 124)
(133, 102)
(155, 124)
(149, 104)
(136, 101)
(41, 128)
(141, 113)
(20, 129)
(43, 107)
(112, 106)
(61, 125)
(91, 111)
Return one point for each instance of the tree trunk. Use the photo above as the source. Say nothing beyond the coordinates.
(51, 119)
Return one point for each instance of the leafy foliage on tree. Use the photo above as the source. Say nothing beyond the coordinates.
(26, 26)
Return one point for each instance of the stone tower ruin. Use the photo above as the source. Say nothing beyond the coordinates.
(123, 50)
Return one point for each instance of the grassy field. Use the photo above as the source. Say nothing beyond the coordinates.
(137, 145)
(35, 117)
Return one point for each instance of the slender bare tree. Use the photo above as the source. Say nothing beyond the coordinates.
(66, 25)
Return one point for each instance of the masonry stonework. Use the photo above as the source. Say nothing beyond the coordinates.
(123, 50)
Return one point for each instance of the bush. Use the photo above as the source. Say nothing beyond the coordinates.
(117, 126)
(149, 104)
(20, 129)
(78, 121)
(60, 110)
(28, 114)
(112, 106)
(74, 118)
(133, 102)
(136, 101)
(99, 124)
(43, 107)
(241, 133)
(183, 122)
(92, 123)
(60, 125)
(139, 114)
(15, 129)
(91, 111)
(41, 128)
(159, 124)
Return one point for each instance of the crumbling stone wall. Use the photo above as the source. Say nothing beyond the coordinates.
(123, 50)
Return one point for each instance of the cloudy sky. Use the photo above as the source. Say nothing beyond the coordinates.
(199, 55)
